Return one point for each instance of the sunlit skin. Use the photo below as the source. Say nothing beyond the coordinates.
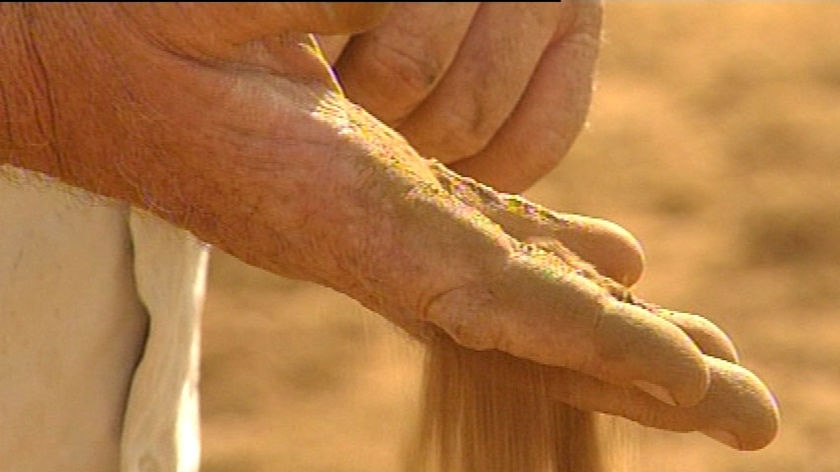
(226, 120)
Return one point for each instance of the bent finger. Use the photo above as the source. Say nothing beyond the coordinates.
(551, 112)
(485, 81)
(609, 248)
(738, 409)
(708, 336)
(392, 68)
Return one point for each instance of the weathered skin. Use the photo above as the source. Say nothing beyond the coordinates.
(253, 148)
(498, 91)
(528, 221)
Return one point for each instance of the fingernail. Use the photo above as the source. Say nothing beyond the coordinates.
(723, 436)
(660, 393)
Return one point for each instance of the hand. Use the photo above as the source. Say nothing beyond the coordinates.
(498, 91)
(238, 134)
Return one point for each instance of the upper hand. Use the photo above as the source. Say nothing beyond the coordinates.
(498, 91)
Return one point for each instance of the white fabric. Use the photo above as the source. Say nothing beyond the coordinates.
(99, 333)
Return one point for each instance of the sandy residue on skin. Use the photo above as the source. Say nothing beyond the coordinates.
(713, 138)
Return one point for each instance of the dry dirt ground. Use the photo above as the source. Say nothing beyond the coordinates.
(715, 138)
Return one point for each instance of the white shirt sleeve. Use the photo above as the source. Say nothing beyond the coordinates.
(99, 333)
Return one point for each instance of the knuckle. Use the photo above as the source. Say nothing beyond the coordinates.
(469, 334)
(462, 127)
(417, 71)
(469, 128)
(465, 317)
(610, 335)
(401, 79)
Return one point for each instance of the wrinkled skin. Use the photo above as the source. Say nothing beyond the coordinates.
(224, 119)
(497, 90)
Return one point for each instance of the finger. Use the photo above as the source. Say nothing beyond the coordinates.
(485, 81)
(708, 337)
(611, 249)
(738, 409)
(550, 113)
(392, 68)
(539, 309)
(527, 221)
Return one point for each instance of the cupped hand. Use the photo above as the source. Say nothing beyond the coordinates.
(498, 91)
(209, 117)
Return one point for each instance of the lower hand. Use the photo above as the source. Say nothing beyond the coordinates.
(252, 147)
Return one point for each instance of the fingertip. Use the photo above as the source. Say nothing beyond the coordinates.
(647, 351)
(613, 250)
(743, 406)
(724, 437)
(623, 256)
(708, 336)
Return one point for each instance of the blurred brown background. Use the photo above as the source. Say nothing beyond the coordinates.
(715, 138)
